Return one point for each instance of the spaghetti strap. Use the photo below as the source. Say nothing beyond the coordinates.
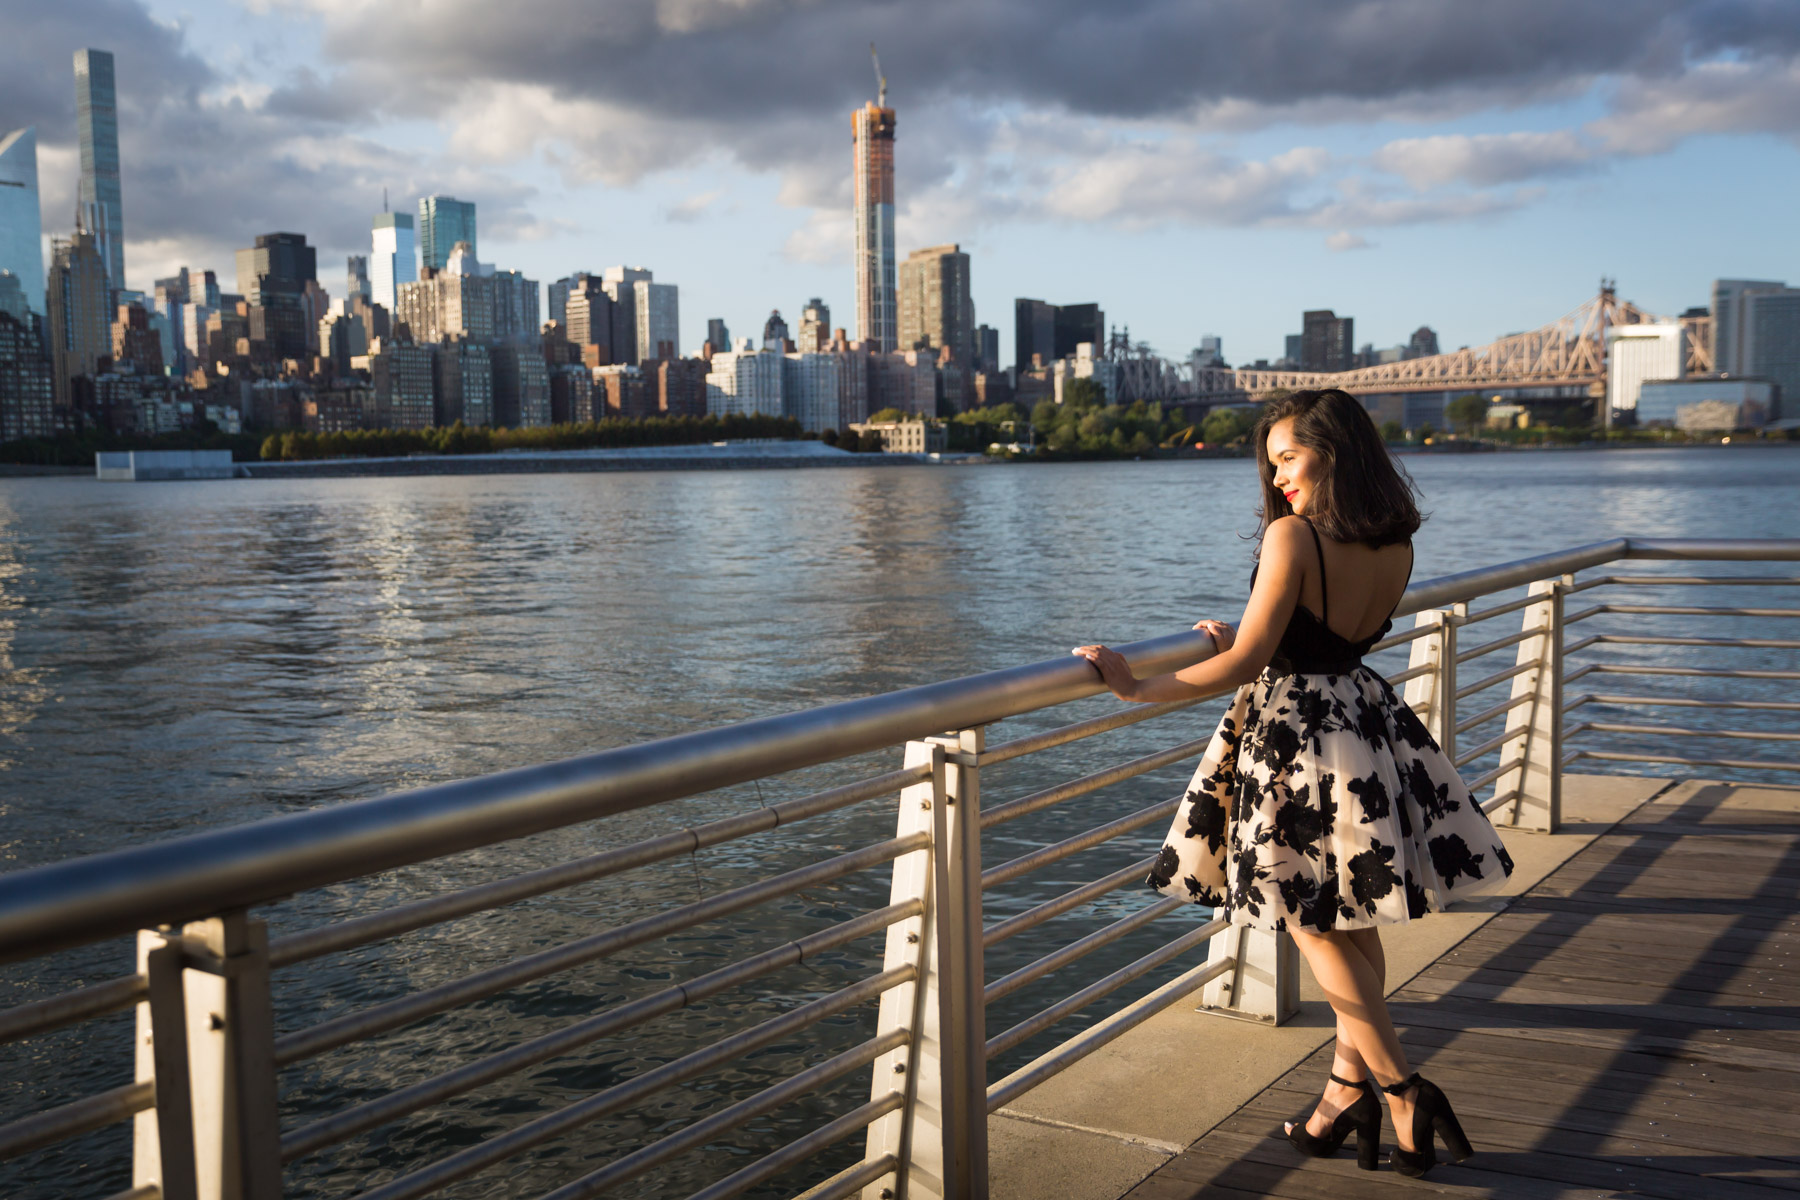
(1324, 602)
(1411, 561)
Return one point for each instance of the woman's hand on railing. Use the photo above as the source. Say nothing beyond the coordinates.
(1113, 668)
(1222, 635)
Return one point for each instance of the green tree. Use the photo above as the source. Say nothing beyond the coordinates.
(1083, 393)
(1392, 431)
(1224, 426)
(888, 415)
(1467, 412)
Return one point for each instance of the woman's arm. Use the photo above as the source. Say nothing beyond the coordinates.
(1286, 549)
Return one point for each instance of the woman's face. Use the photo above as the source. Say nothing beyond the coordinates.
(1296, 467)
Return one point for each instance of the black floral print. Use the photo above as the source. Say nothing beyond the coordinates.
(1324, 803)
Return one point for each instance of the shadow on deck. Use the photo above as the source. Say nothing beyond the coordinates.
(1629, 1025)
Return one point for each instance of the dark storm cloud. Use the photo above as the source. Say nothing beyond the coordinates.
(739, 61)
(37, 81)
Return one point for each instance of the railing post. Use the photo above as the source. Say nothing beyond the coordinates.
(1264, 982)
(162, 1149)
(911, 1006)
(1435, 692)
(231, 1051)
(1538, 783)
(940, 1136)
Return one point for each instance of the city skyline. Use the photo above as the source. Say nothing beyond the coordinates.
(1486, 197)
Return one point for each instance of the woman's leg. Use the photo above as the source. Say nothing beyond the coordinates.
(1347, 1061)
(1350, 969)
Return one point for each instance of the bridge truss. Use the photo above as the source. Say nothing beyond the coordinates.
(1568, 351)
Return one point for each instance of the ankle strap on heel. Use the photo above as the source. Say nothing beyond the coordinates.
(1401, 1088)
(1336, 1078)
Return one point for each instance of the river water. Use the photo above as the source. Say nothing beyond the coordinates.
(181, 656)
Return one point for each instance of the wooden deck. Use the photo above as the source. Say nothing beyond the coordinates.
(1628, 1027)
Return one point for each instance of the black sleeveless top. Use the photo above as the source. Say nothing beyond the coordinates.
(1309, 646)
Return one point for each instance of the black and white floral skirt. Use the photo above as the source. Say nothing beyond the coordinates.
(1323, 803)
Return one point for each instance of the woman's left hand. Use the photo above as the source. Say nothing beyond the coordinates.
(1113, 668)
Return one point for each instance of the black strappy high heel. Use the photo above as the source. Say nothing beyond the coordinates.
(1431, 1115)
(1364, 1116)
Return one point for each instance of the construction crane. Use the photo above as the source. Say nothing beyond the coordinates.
(880, 79)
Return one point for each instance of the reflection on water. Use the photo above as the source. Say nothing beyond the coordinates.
(179, 656)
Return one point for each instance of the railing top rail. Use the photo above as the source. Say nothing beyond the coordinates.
(84, 899)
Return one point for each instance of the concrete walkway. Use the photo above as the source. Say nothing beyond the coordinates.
(1099, 1129)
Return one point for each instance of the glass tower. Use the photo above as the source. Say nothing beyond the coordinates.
(97, 118)
(443, 222)
(21, 229)
(394, 261)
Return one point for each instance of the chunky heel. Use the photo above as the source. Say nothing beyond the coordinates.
(1433, 1118)
(1456, 1143)
(1362, 1118)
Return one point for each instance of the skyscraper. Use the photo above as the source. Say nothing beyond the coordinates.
(78, 297)
(718, 336)
(1054, 330)
(97, 118)
(356, 274)
(872, 132)
(935, 308)
(1729, 325)
(273, 276)
(815, 327)
(393, 262)
(1327, 341)
(620, 285)
(658, 312)
(21, 229)
(443, 222)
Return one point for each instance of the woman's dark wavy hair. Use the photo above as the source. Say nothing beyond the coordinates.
(1363, 494)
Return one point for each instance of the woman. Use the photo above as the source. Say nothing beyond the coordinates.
(1323, 806)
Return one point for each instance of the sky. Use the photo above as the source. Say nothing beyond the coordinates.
(1194, 166)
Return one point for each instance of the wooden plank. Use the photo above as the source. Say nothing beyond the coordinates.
(1629, 1026)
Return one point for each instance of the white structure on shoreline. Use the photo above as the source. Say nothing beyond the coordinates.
(1637, 353)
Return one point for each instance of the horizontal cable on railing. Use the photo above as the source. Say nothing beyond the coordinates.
(95, 1000)
(1500, 801)
(1032, 1026)
(470, 1076)
(1624, 639)
(1500, 610)
(1500, 709)
(1701, 672)
(356, 1026)
(1493, 743)
(76, 1117)
(1057, 851)
(1056, 960)
(1678, 731)
(1065, 734)
(1091, 783)
(1001, 930)
(405, 918)
(1410, 673)
(1488, 681)
(1582, 615)
(1747, 764)
(851, 1180)
(1679, 702)
(710, 1127)
(801, 1149)
(1089, 1040)
(1671, 580)
(1481, 781)
(1686, 610)
(1400, 639)
(1498, 644)
(514, 1141)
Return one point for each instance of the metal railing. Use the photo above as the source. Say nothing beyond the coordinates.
(209, 1063)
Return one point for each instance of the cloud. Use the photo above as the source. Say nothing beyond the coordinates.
(1650, 116)
(1343, 240)
(1485, 160)
(691, 208)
